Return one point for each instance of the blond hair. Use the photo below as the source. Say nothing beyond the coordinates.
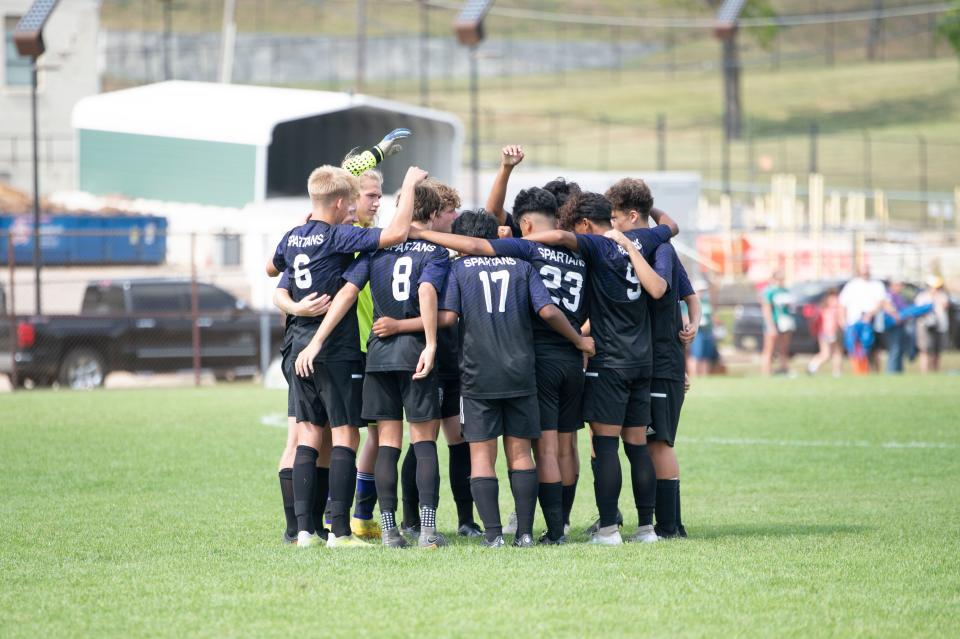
(327, 184)
(449, 197)
(372, 174)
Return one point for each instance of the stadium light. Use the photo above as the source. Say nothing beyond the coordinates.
(28, 38)
(468, 26)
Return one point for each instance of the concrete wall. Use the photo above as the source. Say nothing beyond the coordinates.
(69, 70)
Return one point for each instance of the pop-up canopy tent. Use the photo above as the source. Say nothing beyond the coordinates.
(230, 145)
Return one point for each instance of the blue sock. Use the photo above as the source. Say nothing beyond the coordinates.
(366, 496)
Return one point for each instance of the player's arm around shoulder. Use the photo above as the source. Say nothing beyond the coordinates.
(652, 283)
(399, 228)
(556, 237)
(459, 243)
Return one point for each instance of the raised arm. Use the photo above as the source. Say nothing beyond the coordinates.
(428, 315)
(370, 158)
(511, 156)
(459, 243)
(399, 226)
(659, 217)
(559, 322)
(341, 305)
(651, 282)
(556, 237)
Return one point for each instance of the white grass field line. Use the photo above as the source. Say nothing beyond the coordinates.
(810, 443)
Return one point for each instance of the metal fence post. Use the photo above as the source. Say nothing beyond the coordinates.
(867, 162)
(264, 343)
(814, 131)
(661, 142)
(194, 309)
(922, 149)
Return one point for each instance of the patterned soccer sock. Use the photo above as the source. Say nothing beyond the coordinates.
(459, 471)
(607, 478)
(486, 496)
(388, 519)
(666, 508)
(644, 480)
(551, 503)
(386, 473)
(428, 520)
(343, 477)
(321, 493)
(523, 484)
(569, 495)
(411, 497)
(304, 486)
(366, 496)
(286, 493)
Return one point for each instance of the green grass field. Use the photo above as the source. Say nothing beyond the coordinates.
(816, 507)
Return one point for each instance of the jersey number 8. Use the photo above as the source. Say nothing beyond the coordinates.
(402, 269)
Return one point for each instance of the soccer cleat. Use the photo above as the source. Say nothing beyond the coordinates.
(609, 539)
(523, 541)
(436, 540)
(411, 532)
(496, 543)
(306, 539)
(595, 526)
(546, 541)
(289, 539)
(644, 535)
(511, 527)
(393, 539)
(470, 529)
(681, 532)
(365, 528)
(347, 541)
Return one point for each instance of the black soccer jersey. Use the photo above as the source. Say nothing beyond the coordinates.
(669, 361)
(395, 275)
(564, 274)
(315, 256)
(619, 319)
(448, 351)
(494, 297)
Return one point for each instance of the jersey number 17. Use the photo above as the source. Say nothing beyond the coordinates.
(488, 279)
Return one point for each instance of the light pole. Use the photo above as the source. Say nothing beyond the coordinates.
(469, 29)
(28, 38)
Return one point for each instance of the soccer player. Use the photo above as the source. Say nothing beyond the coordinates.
(559, 364)
(315, 255)
(448, 373)
(399, 368)
(492, 297)
(617, 390)
(632, 204)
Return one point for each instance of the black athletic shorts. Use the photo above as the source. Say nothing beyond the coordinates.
(332, 395)
(560, 393)
(387, 394)
(666, 400)
(483, 419)
(618, 396)
(287, 360)
(449, 392)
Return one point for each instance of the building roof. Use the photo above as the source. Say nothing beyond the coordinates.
(232, 113)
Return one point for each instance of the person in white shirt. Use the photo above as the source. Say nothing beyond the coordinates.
(860, 299)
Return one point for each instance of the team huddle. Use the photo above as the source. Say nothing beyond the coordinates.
(494, 327)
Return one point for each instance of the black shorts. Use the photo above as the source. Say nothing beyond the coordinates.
(449, 392)
(388, 394)
(332, 395)
(666, 400)
(560, 393)
(617, 396)
(287, 360)
(483, 419)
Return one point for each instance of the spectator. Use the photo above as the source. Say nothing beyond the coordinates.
(861, 298)
(779, 324)
(703, 351)
(829, 335)
(896, 331)
(932, 328)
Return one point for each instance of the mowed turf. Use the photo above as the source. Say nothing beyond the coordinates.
(815, 507)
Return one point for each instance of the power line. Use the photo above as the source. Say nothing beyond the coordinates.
(710, 23)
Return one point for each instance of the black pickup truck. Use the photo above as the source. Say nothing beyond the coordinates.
(138, 325)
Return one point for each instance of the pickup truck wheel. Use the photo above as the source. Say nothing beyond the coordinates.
(82, 369)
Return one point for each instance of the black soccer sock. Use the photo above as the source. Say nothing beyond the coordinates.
(523, 484)
(666, 509)
(644, 479)
(551, 503)
(459, 470)
(343, 481)
(386, 475)
(428, 473)
(569, 495)
(411, 496)
(320, 496)
(607, 477)
(304, 486)
(286, 492)
(486, 494)
(680, 527)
